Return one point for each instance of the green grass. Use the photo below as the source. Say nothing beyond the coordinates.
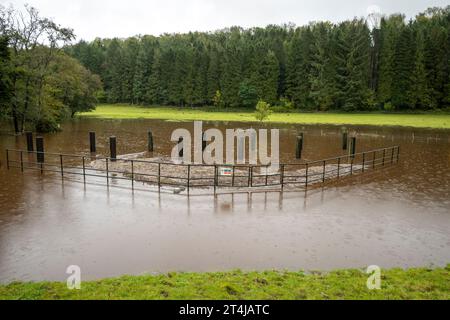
(438, 121)
(237, 285)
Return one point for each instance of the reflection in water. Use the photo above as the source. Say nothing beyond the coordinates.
(394, 217)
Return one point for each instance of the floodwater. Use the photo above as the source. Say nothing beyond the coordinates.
(395, 217)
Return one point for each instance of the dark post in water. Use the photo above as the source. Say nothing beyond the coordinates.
(113, 148)
(92, 142)
(353, 147)
(299, 146)
(40, 149)
(30, 146)
(150, 141)
(181, 147)
(204, 142)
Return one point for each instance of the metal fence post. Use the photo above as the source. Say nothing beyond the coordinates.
(384, 156)
(84, 169)
(233, 178)
(159, 176)
(392, 155)
(215, 179)
(324, 171)
(374, 159)
(7, 159)
(364, 162)
(189, 179)
(21, 161)
(107, 172)
(398, 154)
(282, 177)
(132, 174)
(61, 165)
(306, 176)
(339, 168)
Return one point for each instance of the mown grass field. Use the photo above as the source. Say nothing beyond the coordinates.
(237, 285)
(437, 121)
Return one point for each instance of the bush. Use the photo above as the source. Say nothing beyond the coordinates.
(263, 110)
(388, 106)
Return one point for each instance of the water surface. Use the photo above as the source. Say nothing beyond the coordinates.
(397, 217)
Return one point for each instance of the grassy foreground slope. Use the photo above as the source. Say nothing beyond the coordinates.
(237, 285)
(438, 121)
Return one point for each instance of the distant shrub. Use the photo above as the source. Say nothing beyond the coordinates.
(388, 106)
(263, 110)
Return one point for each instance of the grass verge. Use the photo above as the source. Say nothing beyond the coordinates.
(237, 285)
(437, 121)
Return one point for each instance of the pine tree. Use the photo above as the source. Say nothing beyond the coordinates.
(419, 93)
(154, 93)
(389, 33)
(266, 78)
(403, 69)
(322, 76)
(353, 69)
(298, 85)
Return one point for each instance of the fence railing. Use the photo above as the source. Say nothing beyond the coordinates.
(189, 176)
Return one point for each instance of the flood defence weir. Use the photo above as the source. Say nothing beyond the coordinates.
(166, 175)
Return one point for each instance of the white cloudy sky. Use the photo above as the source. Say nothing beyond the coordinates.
(120, 18)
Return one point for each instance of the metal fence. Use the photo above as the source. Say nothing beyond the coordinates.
(190, 176)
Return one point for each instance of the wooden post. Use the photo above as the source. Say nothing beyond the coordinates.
(150, 141)
(299, 150)
(30, 146)
(204, 142)
(345, 141)
(92, 142)
(353, 147)
(113, 148)
(181, 147)
(40, 149)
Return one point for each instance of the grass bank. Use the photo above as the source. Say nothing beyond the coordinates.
(437, 121)
(236, 285)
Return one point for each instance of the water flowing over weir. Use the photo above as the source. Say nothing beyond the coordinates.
(168, 175)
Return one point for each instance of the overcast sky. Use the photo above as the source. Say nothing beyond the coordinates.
(120, 18)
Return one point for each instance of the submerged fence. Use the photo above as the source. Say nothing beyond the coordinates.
(189, 176)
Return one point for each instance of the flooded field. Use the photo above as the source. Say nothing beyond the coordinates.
(396, 217)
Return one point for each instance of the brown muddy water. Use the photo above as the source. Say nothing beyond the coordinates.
(396, 217)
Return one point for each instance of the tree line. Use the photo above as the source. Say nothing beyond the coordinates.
(40, 85)
(391, 64)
